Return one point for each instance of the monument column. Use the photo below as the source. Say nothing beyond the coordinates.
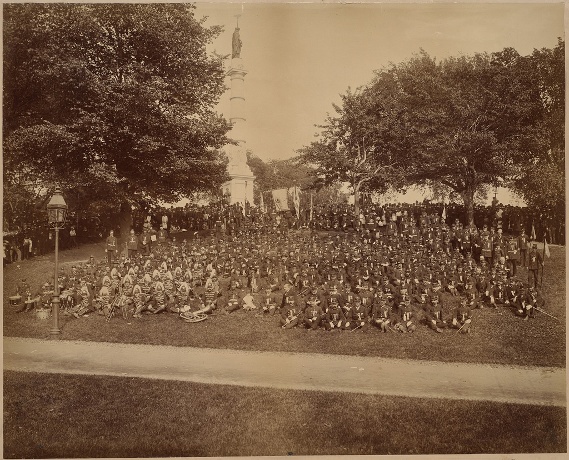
(240, 186)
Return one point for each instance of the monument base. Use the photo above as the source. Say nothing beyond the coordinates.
(239, 189)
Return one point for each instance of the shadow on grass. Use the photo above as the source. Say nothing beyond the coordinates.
(49, 415)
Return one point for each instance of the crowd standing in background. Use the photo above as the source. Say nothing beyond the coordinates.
(36, 238)
(335, 274)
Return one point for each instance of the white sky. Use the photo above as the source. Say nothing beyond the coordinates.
(300, 57)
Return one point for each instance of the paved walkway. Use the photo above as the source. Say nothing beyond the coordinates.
(525, 385)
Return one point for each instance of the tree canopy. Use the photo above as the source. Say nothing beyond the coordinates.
(542, 179)
(114, 101)
(465, 122)
(361, 144)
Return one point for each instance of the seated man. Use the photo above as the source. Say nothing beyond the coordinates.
(290, 313)
(531, 300)
(140, 301)
(406, 318)
(434, 315)
(233, 302)
(269, 301)
(334, 316)
(499, 296)
(382, 314)
(313, 314)
(471, 295)
(462, 318)
(359, 316)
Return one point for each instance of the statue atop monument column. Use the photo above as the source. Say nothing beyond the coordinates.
(236, 44)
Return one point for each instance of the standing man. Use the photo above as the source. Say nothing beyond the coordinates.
(73, 237)
(523, 246)
(165, 220)
(132, 244)
(162, 235)
(111, 248)
(513, 255)
(145, 240)
(534, 262)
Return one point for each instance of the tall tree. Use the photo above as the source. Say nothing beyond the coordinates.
(466, 119)
(360, 144)
(541, 180)
(118, 97)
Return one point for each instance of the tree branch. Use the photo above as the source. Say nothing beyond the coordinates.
(455, 187)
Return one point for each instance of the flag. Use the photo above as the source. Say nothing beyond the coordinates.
(280, 199)
(262, 204)
(532, 236)
(546, 248)
(444, 214)
(296, 200)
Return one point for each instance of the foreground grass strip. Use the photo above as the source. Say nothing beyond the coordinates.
(498, 336)
(49, 415)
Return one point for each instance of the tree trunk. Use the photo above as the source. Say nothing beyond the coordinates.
(468, 200)
(125, 224)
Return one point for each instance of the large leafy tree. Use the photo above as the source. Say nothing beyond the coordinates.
(468, 119)
(361, 144)
(541, 180)
(113, 98)
(465, 123)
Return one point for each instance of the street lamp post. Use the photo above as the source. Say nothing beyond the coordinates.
(56, 211)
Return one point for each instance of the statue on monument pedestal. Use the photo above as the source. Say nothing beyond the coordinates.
(236, 44)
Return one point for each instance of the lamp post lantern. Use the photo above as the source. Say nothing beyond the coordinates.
(56, 211)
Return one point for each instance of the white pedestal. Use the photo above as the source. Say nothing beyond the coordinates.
(239, 189)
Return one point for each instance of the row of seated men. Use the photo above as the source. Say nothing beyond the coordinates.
(332, 302)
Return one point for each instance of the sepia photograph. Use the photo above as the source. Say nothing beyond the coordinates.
(284, 229)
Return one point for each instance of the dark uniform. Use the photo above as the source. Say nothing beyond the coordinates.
(111, 248)
(462, 318)
(513, 255)
(534, 262)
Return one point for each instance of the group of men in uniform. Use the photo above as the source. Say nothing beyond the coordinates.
(411, 273)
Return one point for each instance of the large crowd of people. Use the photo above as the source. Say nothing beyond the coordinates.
(29, 239)
(510, 218)
(406, 273)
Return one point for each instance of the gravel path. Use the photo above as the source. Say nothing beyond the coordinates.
(524, 385)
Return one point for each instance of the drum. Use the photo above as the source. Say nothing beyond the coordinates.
(15, 300)
(190, 317)
(30, 304)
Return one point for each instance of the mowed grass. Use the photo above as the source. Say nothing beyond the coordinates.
(498, 336)
(52, 415)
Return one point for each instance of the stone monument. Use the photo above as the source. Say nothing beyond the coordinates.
(240, 187)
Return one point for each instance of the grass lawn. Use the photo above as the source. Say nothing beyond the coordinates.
(51, 415)
(498, 336)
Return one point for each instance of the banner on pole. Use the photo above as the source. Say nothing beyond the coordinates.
(280, 199)
(262, 203)
(295, 193)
